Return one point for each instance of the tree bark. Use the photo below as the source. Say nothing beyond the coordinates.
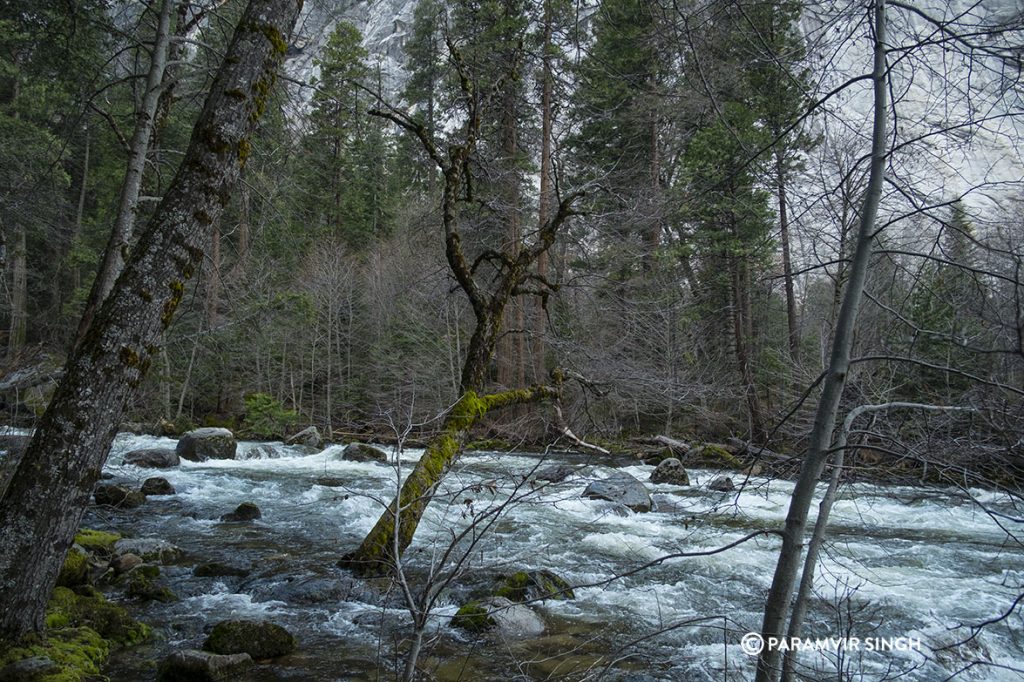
(540, 320)
(19, 291)
(777, 605)
(43, 505)
(787, 263)
(124, 225)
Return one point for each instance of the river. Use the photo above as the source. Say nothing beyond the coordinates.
(920, 564)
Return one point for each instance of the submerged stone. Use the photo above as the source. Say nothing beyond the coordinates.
(257, 638)
(247, 511)
(201, 666)
(157, 486)
(153, 458)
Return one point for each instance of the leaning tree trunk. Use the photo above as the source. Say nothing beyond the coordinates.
(43, 505)
(777, 606)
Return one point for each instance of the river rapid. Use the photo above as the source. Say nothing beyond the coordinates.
(917, 563)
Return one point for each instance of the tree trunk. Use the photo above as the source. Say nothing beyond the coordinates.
(19, 291)
(777, 605)
(124, 225)
(76, 273)
(43, 505)
(212, 278)
(787, 263)
(540, 320)
(393, 531)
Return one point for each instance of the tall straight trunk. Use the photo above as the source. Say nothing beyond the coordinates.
(19, 291)
(777, 606)
(43, 505)
(213, 281)
(540, 321)
(743, 335)
(76, 273)
(124, 225)
(510, 346)
(787, 263)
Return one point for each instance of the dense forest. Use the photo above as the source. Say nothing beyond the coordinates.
(788, 230)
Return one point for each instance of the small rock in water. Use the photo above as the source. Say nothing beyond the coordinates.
(500, 615)
(670, 471)
(623, 489)
(157, 486)
(247, 511)
(722, 484)
(117, 496)
(216, 569)
(361, 452)
(556, 473)
(534, 585)
(331, 481)
(201, 666)
(257, 638)
(309, 436)
(153, 458)
(142, 584)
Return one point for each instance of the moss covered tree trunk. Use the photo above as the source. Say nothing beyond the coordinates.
(48, 492)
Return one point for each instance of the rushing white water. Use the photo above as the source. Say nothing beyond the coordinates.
(910, 562)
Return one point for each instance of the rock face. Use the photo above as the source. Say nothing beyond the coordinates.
(257, 638)
(500, 615)
(157, 486)
(309, 436)
(670, 471)
(361, 452)
(622, 489)
(117, 496)
(208, 443)
(153, 458)
(247, 511)
(533, 585)
(201, 666)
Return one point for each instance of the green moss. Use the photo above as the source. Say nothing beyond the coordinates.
(97, 541)
(78, 651)
(236, 93)
(244, 150)
(75, 570)
(93, 611)
(142, 585)
(529, 585)
(717, 455)
(514, 587)
(259, 639)
(129, 357)
(275, 37)
(473, 617)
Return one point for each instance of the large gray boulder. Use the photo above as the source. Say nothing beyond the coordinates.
(498, 615)
(201, 666)
(361, 452)
(670, 471)
(622, 489)
(207, 443)
(153, 458)
(309, 436)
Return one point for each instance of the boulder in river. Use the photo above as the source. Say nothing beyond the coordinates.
(157, 486)
(207, 443)
(670, 471)
(201, 666)
(499, 615)
(534, 585)
(247, 511)
(153, 458)
(142, 584)
(331, 481)
(361, 452)
(309, 436)
(722, 484)
(622, 489)
(125, 562)
(258, 638)
(556, 473)
(118, 496)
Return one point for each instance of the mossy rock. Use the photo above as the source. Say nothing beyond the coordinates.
(473, 617)
(77, 654)
(534, 585)
(68, 609)
(258, 638)
(488, 445)
(97, 541)
(142, 585)
(75, 570)
(714, 455)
